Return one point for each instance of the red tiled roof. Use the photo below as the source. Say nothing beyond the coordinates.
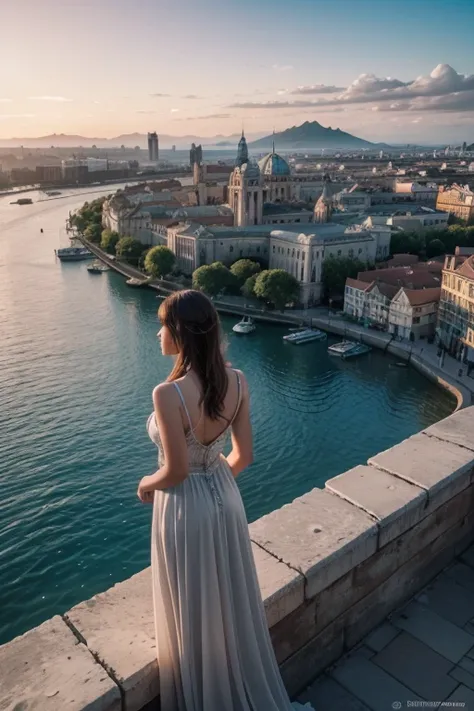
(402, 276)
(466, 269)
(358, 284)
(417, 297)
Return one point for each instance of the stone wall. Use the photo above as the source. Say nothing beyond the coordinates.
(331, 566)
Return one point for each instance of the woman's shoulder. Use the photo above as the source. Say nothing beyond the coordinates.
(164, 393)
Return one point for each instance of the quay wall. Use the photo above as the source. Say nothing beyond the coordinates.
(331, 565)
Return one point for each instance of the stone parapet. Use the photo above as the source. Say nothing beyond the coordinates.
(331, 566)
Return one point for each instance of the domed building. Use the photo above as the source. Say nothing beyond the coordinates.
(252, 185)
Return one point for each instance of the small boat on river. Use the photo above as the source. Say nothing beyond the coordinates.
(348, 349)
(97, 268)
(308, 335)
(133, 281)
(246, 325)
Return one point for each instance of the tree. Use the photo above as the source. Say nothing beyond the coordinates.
(248, 289)
(243, 269)
(407, 243)
(435, 248)
(129, 249)
(335, 272)
(93, 232)
(277, 287)
(213, 278)
(109, 240)
(159, 261)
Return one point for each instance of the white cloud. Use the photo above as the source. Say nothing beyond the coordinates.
(442, 90)
(317, 89)
(282, 67)
(59, 99)
(174, 111)
(6, 101)
(145, 112)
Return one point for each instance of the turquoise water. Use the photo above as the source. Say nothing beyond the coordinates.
(78, 361)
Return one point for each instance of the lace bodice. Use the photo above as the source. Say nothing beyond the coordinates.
(202, 457)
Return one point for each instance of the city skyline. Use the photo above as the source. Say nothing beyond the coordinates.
(392, 71)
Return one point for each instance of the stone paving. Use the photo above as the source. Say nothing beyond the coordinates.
(422, 656)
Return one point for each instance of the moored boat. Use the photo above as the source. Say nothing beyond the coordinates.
(306, 336)
(73, 254)
(246, 325)
(133, 281)
(97, 268)
(348, 349)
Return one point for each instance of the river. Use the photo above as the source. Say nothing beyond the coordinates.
(78, 361)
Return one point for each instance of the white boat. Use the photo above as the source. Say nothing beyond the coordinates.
(348, 349)
(133, 281)
(73, 254)
(246, 325)
(306, 336)
(97, 268)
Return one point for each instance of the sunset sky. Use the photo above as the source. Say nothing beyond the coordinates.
(385, 70)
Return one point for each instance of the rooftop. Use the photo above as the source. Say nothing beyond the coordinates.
(418, 297)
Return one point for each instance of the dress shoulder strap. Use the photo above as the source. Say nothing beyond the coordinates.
(183, 402)
(239, 397)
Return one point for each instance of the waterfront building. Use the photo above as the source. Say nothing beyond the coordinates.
(153, 147)
(455, 328)
(458, 200)
(368, 301)
(49, 173)
(412, 313)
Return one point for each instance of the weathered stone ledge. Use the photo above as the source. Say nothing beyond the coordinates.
(331, 566)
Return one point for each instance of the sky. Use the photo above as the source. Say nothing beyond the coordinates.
(400, 71)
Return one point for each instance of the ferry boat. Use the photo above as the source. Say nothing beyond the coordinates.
(348, 349)
(97, 268)
(22, 201)
(246, 325)
(306, 336)
(73, 254)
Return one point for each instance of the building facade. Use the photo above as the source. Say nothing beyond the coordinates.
(153, 147)
(455, 328)
(412, 313)
(457, 200)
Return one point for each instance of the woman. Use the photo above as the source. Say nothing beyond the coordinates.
(214, 649)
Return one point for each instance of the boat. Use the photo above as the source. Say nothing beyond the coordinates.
(246, 325)
(306, 336)
(133, 281)
(52, 193)
(348, 349)
(22, 201)
(73, 254)
(97, 268)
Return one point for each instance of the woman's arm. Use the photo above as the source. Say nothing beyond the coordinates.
(166, 405)
(241, 455)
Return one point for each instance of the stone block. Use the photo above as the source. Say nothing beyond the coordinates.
(462, 695)
(462, 574)
(303, 667)
(118, 628)
(417, 666)
(319, 535)
(399, 587)
(48, 669)
(371, 684)
(436, 632)
(327, 694)
(441, 468)
(457, 428)
(396, 504)
(449, 600)
(463, 676)
(467, 556)
(381, 637)
(294, 631)
(282, 587)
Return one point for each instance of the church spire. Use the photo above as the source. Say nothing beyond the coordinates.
(242, 152)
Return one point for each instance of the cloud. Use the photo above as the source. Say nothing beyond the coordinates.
(282, 67)
(5, 117)
(174, 111)
(206, 118)
(6, 101)
(442, 90)
(191, 96)
(317, 89)
(145, 112)
(58, 99)
(159, 96)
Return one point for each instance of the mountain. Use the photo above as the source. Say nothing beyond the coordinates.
(129, 140)
(311, 135)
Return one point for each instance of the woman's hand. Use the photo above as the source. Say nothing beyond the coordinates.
(146, 490)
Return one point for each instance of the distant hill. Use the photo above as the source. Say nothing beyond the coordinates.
(311, 135)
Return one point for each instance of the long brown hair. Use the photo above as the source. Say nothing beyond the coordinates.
(195, 328)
